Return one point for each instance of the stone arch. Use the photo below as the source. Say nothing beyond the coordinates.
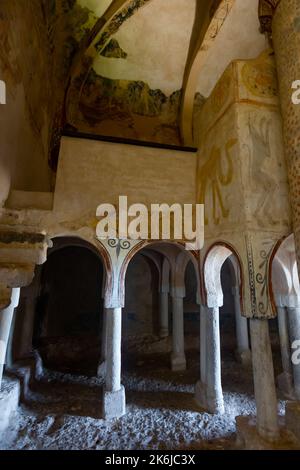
(70, 315)
(171, 250)
(284, 286)
(215, 257)
(62, 241)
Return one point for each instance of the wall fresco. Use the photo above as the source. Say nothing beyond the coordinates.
(129, 109)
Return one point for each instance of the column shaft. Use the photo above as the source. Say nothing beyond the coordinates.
(203, 314)
(164, 315)
(6, 317)
(113, 360)
(104, 336)
(178, 355)
(241, 324)
(264, 383)
(284, 339)
(213, 363)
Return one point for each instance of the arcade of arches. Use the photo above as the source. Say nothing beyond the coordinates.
(115, 343)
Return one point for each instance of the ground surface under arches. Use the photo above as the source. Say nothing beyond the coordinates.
(64, 411)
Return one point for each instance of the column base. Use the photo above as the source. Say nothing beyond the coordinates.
(292, 418)
(284, 383)
(114, 404)
(208, 399)
(163, 333)
(101, 371)
(248, 437)
(244, 357)
(178, 363)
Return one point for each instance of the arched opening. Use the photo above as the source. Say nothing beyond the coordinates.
(140, 325)
(225, 337)
(160, 331)
(69, 307)
(285, 329)
(227, 310)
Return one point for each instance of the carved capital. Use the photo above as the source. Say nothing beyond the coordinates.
(266, 12)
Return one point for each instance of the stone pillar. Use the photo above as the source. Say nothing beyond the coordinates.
(294, 328)
(6, 316)
(209, 394)
(284, 380)
(203, 314)
(164, 314)
(200, 389)
(214, 394)
(286, 40)
(102, 365)
(178, 361)
(114, 392)
(264, 383)
(243, 352)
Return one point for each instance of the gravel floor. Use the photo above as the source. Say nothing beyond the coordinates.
(64, 410)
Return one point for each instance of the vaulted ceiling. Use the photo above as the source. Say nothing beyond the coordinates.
(139, 69)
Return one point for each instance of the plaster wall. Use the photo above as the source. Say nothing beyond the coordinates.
(94, 172)
(23, 119)
(242, 177)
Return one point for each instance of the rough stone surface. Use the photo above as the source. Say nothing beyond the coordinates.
(9, 401)
(293, 418)
(64, 411)
(249, 439)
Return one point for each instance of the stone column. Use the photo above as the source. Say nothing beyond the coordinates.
(209, 394)
(102, 365)
(164, 313)
(243, 352)
(114, 392)
(203, 314)
(178, 361)
(214, 393)
(284, 380)
(264, 383)
(6, 316)
(200, 389)
(294, 328)
(286, 40)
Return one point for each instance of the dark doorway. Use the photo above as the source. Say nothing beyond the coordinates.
(68, 317)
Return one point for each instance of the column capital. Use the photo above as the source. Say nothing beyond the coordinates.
(266, 12)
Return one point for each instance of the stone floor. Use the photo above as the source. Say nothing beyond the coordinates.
(64, 410)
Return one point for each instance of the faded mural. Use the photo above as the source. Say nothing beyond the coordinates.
(42, 43)
(242, 176)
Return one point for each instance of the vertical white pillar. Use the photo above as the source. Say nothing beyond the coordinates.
(294, 328)
(243, 352)
(104, 336)
(284, 380)
(214, 393)
(102, 365)
(114, 326)
(164, 314)
(114, 393)
(200, 389)
(203, 314)
(6, 316)
(178, 360)
(264, 383)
